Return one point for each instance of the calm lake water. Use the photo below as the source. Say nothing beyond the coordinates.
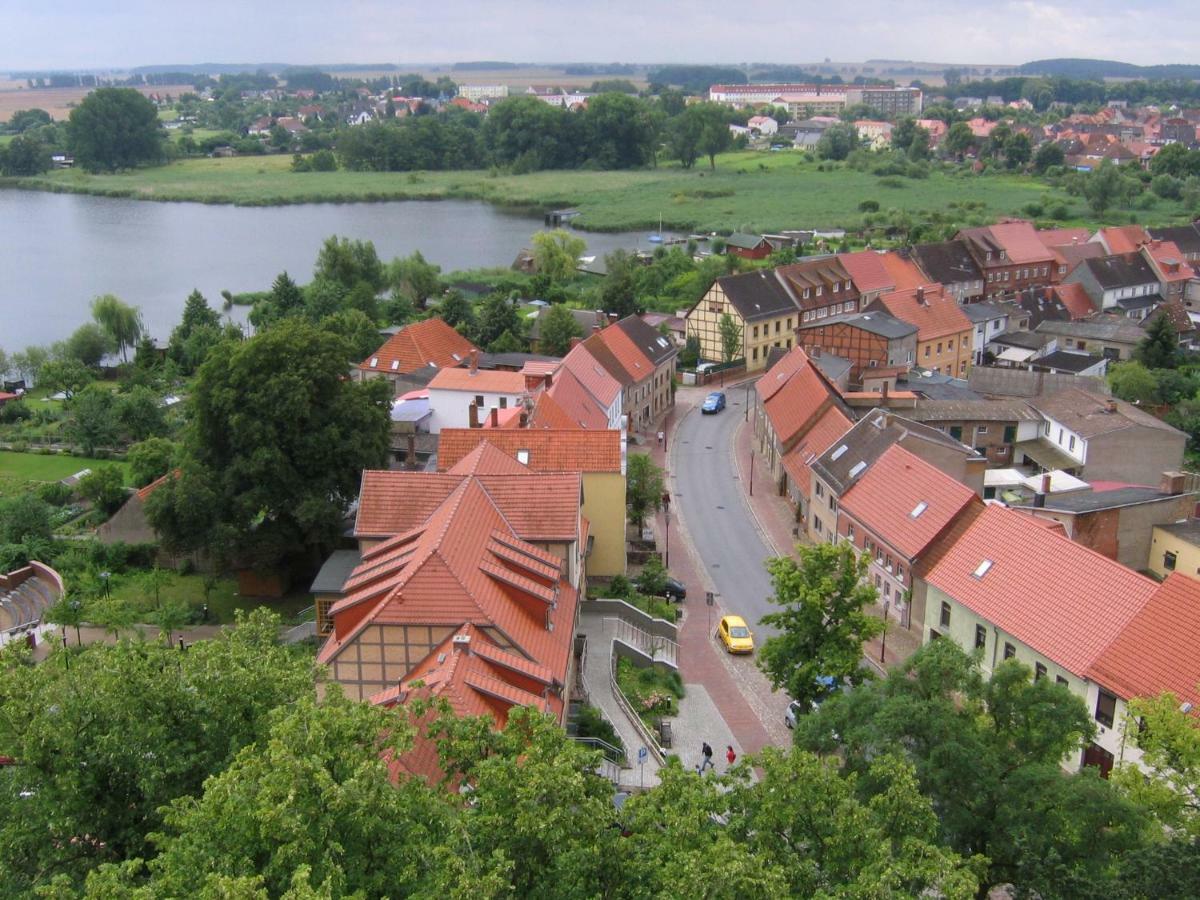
(58, 251)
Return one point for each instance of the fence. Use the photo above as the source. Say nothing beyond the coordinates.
(657, 648)
(635, 720)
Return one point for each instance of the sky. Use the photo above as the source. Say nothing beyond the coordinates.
(69, 34)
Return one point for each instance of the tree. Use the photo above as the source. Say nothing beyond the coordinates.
(457, 312)
(24, 517)
(197, 332)
(29, 362)
(959, 139)
(497, 315)
(104, 486)
(556, 254)
(88, 343)
(617, 133)
(347, 262)
(24, 155)
(114, 128)
(1048, 155)
(987, 754)
(643, 487)
(713, 134)
(1173, 159)
(1170, 745)
(414, 278)
(109, 735)
(92, 423)
(1018, 150)
(1133, 382)
(822, 624)
(618, 294)
(122, 323)
(150, 459)
(1159, 349)
(68, 376)
(139, 413)
(1102, 187)
(731, 338)
(838, 141)
(557, 329)
(683, 138)
(360, 333)
(280, 438)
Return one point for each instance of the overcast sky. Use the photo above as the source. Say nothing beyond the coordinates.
(104, 33)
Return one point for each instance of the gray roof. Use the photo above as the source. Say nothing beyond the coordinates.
(1097, 328)
(1066, 361)
(998, 382)
(833, 367)
(987, 310)
(972, 411)
(1121, 270)
(1145, 301)
(1187, 531)
(948, 262)
(936, 386)
(1090, 415)
(1185, 237)
(744, 241)
(1030, 340)
(1094, 501)
(757, 295)
(653, 345)
(335, 571)
(881, 323)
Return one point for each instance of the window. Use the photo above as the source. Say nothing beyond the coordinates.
(832, 503)
(1081, 345)
(479, 400)
(808, 316)
(981, 429)
(850, 530)
(1010, 433)
(950, 344)
(523, 457)
(1060, 435)
(939, 346)
(806, 293)
(817, 525)
(778, 325)
(504, 403)
(789, 323)
(822, 312)
(821, 487)
(1071, 445)
(980, 636)
(945, 615)
(849, 306)
(374, 361)
(1106, 708)
(1006, 276)
(754, 354)
(754, 333)
(1039, 671)
(927, 351)
(1169, 559)
(899, 572)
(836, 286)
(990, 274)
(1009, 650)
(1058, 679)
(819, 292)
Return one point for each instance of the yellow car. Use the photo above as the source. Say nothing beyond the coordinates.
(735, 635)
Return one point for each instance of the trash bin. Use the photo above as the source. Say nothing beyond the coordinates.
(664, 733)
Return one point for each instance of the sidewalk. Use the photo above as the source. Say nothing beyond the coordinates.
(776, 519)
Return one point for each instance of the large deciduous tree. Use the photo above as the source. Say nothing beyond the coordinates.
(120, 321)
(557, 329)
(114, 128)
(556, 254)
(280, 437)
(643, 487)
(823, 621)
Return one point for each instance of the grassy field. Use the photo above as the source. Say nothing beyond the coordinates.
(748, 191)
(17, 470)
(222, 601)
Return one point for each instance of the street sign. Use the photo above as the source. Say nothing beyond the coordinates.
(708, 598)
(643, 755)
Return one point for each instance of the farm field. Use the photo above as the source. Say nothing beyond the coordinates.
(752, 191)
(18, 470)
(59, 102)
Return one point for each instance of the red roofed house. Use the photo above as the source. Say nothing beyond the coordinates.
(1173, 271)
(1121, 238)
(1010, 588)
(463, 398)
(595, 380)
(895, 513)
(490, 545)
(598, 455)
(426, 345)
(1011, 256)
(869, 274)
(643, 362)
(943, 330)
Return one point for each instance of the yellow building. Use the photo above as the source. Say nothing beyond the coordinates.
(1175, 548)
(763, 311)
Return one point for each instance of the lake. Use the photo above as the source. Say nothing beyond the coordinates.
(58, 251)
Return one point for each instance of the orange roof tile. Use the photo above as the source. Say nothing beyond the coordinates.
(573, 397)
(635, 363)
(429, 342)
(156, 484)
(867, 271)
(1062, 237)
(905, 501)
(1060, 598)
(548, 449)
(832, 424)
(1075, 299)
(904, 273)
(1156, 651)
(547, 413)
(592, 374)
(1171, 265)
(487, 459)
(937, 316)
(777, 376)
(493, 381)
(796, 406)
(1124, 238)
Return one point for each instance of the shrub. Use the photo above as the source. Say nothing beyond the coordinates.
(869, 206)
(591, 723)
(891, 182)
(55, 493)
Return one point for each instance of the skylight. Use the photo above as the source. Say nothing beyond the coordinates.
(374, 361)
(839, 451)
(662, 342)
(395, 364)
(858, 467)
(523, 457)
(982, 568)
(919, 508)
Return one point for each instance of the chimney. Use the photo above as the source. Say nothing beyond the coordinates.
(411, 457)
(921, 296)
(472, 416)
(1039, 500)
(1045, 485)
(885, 392)
(474, 362)
(524, 419)
(548, 381)
(494, 418)
(1172, 482)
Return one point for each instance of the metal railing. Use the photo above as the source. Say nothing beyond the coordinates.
(612, 754)
(635, 720)
(659, 649)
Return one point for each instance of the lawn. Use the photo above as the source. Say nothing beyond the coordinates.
(18, 470)
(653, 691)
(752, 191)
(222, 602)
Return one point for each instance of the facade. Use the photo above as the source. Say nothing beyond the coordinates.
(477, 92)
(989, 320)
(758, 303)
(1175, 547)
(1010, 255)
(423, 346)
(595, 380)
(1113, 337)
(1125, 284)
(992, 427)
(869, 340)
(748, 246)
(822, 289)
(643, 362)
(464, 398)
(1173, 271)
(598, 455)
(1185, 237)
(944, 333)
(816, 99)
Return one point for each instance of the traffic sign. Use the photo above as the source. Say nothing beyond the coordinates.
(643, 755)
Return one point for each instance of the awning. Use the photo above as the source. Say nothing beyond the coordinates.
(1016, 354)
(1047, 455)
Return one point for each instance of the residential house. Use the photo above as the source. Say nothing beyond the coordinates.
(992, 427)
(748, 246)
(835, 470)
(1120, 521)
(643, 362)
(1010, 255)
(588, 321)
(951, 265)
(598, 455)
(463, 398)
(489, 544)
(1181, 321)
(869, 340)
(822, 289)
(411, 356)
(1008, 587)
(604, 390)
(1073, 362)
(895, 512)
(874, 134)
(1101, 439)
(1175, 547)
(764, 125)
(870, 276)
(1124, 284)
(1173, 271)
(991, 381)
(989, 320)
(944, 333)
(753, 299)
(1121, 238)
(1113, 337)
(1185, 237)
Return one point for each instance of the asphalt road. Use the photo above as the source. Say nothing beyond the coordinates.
(708, 495)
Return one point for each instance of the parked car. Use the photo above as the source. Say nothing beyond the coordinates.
(735, 635)
(713, 403)
(829, 686)
(674, 590)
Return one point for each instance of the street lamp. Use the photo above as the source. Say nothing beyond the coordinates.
(883, 641)
(104, 576)
(666, 504)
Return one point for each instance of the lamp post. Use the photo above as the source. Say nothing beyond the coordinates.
(666, 503)
(751, 470)
(104, 576)
(883, 641)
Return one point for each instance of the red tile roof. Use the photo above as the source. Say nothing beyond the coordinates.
(1171, 265)
(867, 271)
(1065, 601)
(418, 345)
(492, 381)
(549, 449)
(1075, 299)
(1020, 241)
(904, 273)
(576, 401)
(630, 357)
(1156, 651)
(1062, 237)
(547, 413)
(1124, 238)
(796, 405)
(937, 316)
(906, 501)
(777, 376)
(581, 363)
(832, 424)
(156, 484)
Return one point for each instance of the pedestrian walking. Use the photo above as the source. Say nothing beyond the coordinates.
(662, 439)
(730, 755)
(706, 762)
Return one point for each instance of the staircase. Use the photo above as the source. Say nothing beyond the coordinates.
(25, 595)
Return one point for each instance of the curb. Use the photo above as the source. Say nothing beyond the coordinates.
(762, 531)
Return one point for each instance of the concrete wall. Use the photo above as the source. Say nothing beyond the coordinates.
(451, 409)
(1135, 455)
(604, 508)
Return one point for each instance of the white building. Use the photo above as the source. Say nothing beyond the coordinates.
(477, 92)
(463, 398)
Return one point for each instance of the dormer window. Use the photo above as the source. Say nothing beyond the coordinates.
(847, 285)
(819, 289)
(806, 293)
(836, 286)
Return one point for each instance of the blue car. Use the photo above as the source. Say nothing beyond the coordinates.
(713, 403)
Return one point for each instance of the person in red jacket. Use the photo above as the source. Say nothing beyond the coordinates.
(730, 755)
